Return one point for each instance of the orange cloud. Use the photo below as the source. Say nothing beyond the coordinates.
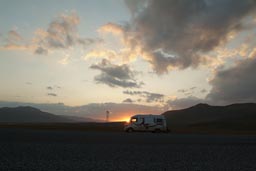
(104, 53)
(253, 53)
(111, 28)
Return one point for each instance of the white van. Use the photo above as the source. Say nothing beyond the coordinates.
(147, 123)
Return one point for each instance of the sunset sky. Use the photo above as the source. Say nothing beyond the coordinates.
(84, 57)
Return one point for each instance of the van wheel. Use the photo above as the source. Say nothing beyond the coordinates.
(157, 131)
(129, 130)
(168, 130)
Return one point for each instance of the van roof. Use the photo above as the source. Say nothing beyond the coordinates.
(146, 115)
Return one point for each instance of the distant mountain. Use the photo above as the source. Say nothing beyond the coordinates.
(30, 114)
(204, 114)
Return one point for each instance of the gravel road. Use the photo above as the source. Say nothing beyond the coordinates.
(23, 149)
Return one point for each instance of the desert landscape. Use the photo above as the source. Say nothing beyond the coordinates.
(43, 149)
(198, 119)
(204, 144)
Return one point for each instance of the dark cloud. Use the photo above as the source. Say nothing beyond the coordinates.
(236, 84)
(182, 90)
(149, 97)
(128, 100)
(115, 75)
(89, 41)
(52, 94)
(160, 63)
(176, 33)
(55, 87)
(188, 92)
(28, 83)
(41, 51)
(203, 91)
(49, 88)
(233, 85)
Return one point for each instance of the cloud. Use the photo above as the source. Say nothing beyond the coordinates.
(88, 41)
(176, 34)
(15, 41)
(235, 84)
(106, 53)
(121, 55)
(52, 94)
(15, 47)
(62, 33)
(49, 88)
(203, 91)
(187, 92)
(112, 28)
(161, 63)
(130, 48)
(252, 53)
(181, 103)
(128, 100)
(65, 60)
(182, 90)
(28, 83)
(41, 50)
(115, 75)
(13, 37)
(135, 6)
(149, 97)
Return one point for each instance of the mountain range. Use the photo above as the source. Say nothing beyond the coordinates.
(202, 115)
(30, 114)
(234, 116)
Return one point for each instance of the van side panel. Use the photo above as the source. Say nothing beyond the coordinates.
(149, 120)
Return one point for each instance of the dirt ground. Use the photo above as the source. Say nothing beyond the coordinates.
(26, 149)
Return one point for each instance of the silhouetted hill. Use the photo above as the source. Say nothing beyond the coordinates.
(29, 114)
(236, 115)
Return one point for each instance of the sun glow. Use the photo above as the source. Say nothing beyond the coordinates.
(122, 119)
(126, 119)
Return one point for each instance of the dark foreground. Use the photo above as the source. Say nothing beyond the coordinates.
(26, 149)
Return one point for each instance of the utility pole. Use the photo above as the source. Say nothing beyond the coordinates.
(107, 116)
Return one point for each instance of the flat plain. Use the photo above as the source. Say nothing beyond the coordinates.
(42, 149)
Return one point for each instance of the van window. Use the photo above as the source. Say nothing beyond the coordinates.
(134, 120)
(159, 121)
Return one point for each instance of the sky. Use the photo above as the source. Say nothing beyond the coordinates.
(84, 57)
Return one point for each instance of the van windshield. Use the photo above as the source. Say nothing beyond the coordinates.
(133, 120)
